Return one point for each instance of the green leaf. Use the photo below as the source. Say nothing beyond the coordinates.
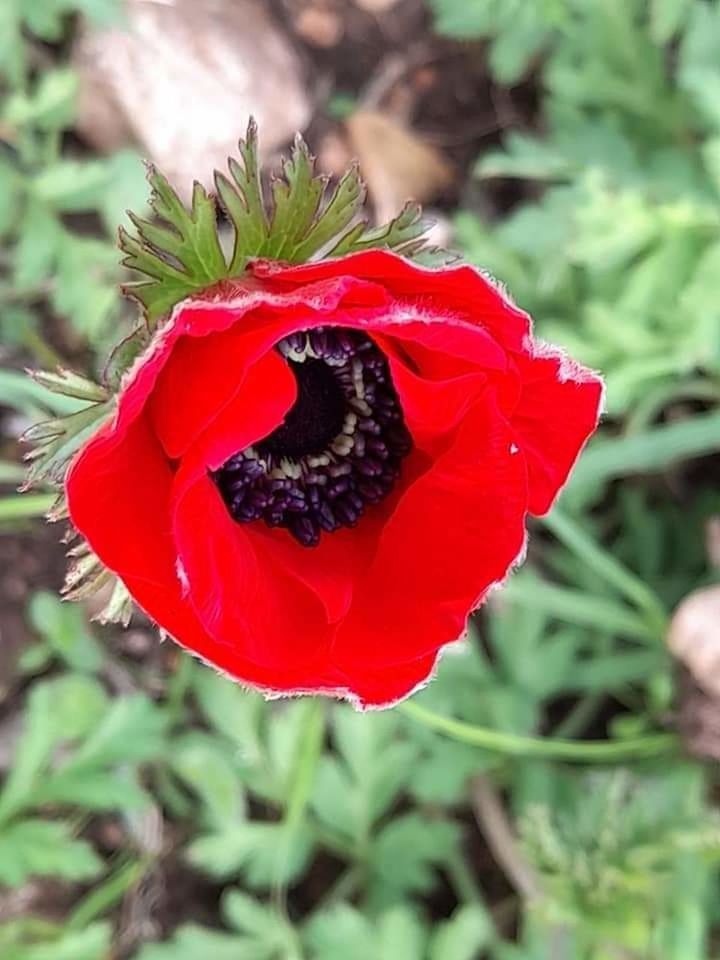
(179, 258)
(38, 245)
(576, 606)
(651, 450)
(12, 47)
(19, 392)
(264, 925)
(70, 186)
(60, 709)
(352, 791)
(400, 935)
(64, 629)
(126, 188)
(102, 12)
(132, 731)
(85, 286)
(182, 255)
(259, 851)
(193, 942)
(232, 711)
(404, 855)
(51, 105)
(464, 936)
(205, 766)
(93, 943)
(69, 384)
(90, 789)
(667, 17)
(55, 442)
(703, 85)
(340, 931)
(35, 848)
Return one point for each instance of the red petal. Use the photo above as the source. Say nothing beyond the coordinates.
(118, 491)
(462, 291)
(455, 533)
(236, 582)
(558, 411)
(241, 600)
(385, 687)
(201, 376)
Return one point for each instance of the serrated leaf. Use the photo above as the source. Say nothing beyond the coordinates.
(403, 234)
(182, 255)
(264, 925)
(404, 855)
(50, 458)
(354, 790)
(180, 258)
(263, 853)
(57, 710)
(341, 209)
(34, 848)
(69, 384)
(296, 201)
(131, 731)
(232, 711)
(19, 392)
(207, 769)
(90, 789)
(119, 607)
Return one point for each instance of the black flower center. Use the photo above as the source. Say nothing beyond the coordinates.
(339, 448)
(316, 417)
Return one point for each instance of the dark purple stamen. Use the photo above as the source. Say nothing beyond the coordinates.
(339, 448)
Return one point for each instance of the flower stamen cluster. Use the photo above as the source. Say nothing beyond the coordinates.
(339, 448)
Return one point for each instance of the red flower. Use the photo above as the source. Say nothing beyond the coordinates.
(315, 474)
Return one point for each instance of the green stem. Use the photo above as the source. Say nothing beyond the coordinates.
(299, 786)
(302, 777)
(606, 566)
(579, 716)
(516, 745)
(462, 879)
(25, 505)
(104, 897)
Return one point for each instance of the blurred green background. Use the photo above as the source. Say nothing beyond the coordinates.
(150, 809)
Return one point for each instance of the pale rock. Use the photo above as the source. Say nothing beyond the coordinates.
(694, 637)
(180, 78)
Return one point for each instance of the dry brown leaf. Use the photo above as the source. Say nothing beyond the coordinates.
(181, 79)
(396, 164)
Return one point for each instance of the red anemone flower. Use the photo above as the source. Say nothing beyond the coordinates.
(315, 473)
